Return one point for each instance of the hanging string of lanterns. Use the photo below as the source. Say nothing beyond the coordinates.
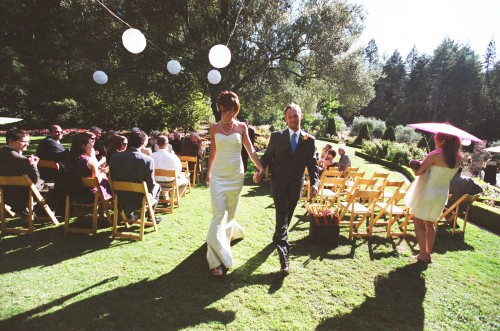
(135, 42)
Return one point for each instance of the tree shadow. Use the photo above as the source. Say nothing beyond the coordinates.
(402, 290)
(48, 246)
(445, 242)
(180, 299)
(256, 190)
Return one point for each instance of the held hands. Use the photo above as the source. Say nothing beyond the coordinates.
(258, 176)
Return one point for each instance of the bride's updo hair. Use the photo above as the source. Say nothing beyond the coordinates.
(229, 100)
(451, 145)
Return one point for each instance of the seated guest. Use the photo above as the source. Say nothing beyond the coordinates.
(133, 166)
(460, 185)
(144, 148)
(176, 142)
(345, 160)
(152, 141)
(192, 146)
(99, 145)
(13, 163)
(51, 149)
(324, 151)
(82, 162)
(163, 159)
(327, 161)
(117, 144)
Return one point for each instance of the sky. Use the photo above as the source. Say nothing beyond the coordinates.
(402, 24)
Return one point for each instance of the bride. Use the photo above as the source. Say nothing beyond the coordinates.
(225, 178)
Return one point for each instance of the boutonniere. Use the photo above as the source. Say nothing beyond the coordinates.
(305, 136)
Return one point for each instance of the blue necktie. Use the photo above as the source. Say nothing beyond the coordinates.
(294, 142)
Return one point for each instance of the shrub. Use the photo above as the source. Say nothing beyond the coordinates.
(363, 135)
(389, 134)
(400, 153)
(405, 134)
(376, 127)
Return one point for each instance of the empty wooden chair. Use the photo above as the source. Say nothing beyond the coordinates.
(453, 212)
(393, 211)
(99, 205)
(381, 178)
(193, 167)
(389, 187)
(33, 194)
(169, 194)
(355, 209)
(330, 189)
(146, 210)
(187, 173)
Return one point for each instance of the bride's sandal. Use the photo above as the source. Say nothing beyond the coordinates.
(217, 271)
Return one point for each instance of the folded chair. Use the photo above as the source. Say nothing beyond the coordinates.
(353, 208)
(146, 208)
(169, 191)
(454, 210)
(33, 193)
(393, 211)
(100, 204)
(193, 168)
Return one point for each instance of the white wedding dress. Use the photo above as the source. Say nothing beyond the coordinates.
(226, 183)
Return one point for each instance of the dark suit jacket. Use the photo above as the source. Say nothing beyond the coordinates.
(13, 163)
(287, 169)
(49, 149)
(132, 166)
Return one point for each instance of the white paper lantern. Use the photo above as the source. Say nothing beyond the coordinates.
(134, 41)
(214, 76)
(219, 56)
(174, 67)
(100, 77)
(466, 142)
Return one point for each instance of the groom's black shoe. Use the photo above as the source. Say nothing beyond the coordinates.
(285, 271)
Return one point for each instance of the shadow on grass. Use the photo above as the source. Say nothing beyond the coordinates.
(183, 298)
(49, 246)
(401, 291)
(445, 242)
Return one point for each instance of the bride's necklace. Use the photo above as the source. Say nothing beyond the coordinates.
(222, 129)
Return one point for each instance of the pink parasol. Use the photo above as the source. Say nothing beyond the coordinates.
(445, 128)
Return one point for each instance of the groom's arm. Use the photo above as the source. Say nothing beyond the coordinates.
(312, 168)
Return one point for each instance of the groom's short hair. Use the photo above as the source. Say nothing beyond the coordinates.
(293, 106)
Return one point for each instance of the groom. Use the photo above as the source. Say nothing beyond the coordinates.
(288, 154)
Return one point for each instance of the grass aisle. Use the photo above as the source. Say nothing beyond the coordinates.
(52, 281)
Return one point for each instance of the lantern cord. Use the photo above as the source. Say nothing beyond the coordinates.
(236, 21)
(130, 26)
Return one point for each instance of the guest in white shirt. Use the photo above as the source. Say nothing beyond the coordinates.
(163, 159)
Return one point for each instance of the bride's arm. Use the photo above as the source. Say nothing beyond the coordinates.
(213, 152)
(250, 149)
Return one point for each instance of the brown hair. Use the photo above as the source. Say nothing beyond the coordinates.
(229, 100)
(450, 148)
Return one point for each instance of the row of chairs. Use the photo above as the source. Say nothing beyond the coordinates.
(364, 203)
(100, 206)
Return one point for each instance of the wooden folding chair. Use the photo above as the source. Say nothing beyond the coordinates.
(361, 184)
(147, 206)
(33, 193)
(187, 173)
(330, 189)
(352, 176)
(454, 210)
(193, 167)
(355, 209)
(389, 187)
(169, 191)
(331, 173)
(381, 178)
(100, 204)
(350, 169)
(394, 211)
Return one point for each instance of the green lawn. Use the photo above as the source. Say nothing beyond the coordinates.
(53, 281)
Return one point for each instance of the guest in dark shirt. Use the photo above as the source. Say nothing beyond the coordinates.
(460, 185)
(13, 163)
(51, 149)
(176, 143)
